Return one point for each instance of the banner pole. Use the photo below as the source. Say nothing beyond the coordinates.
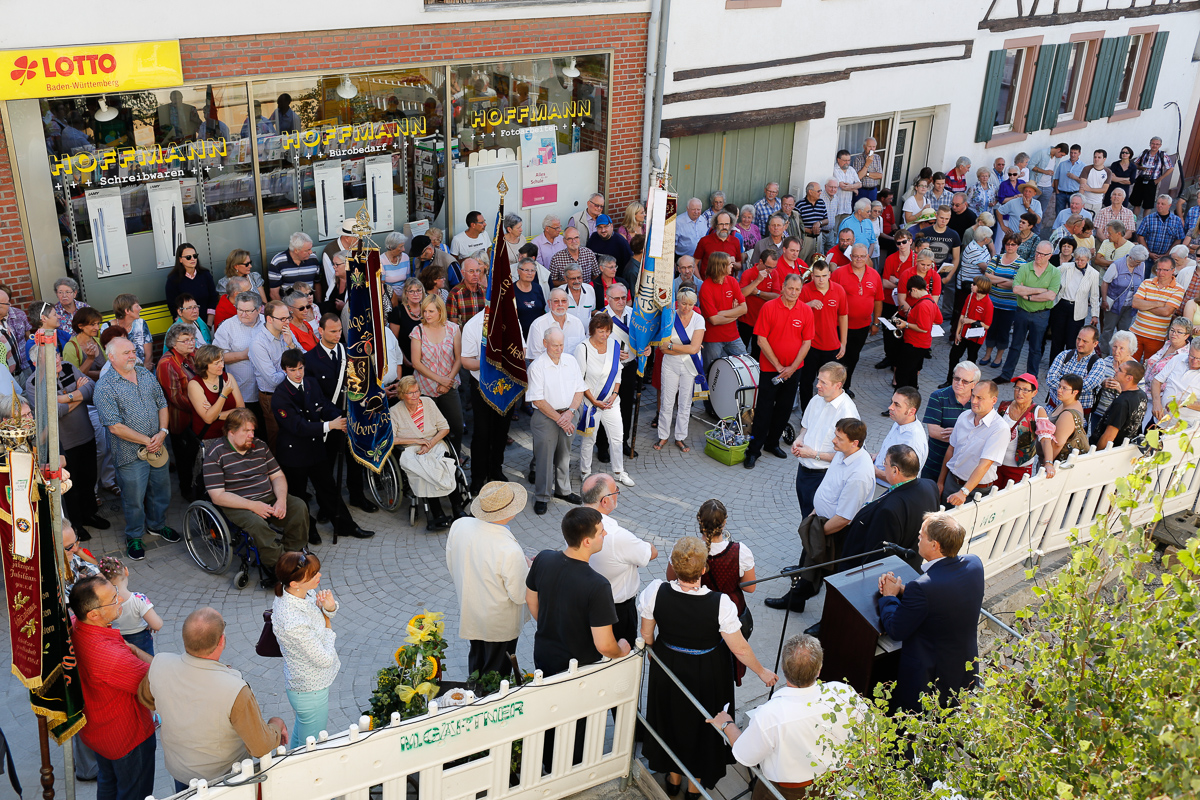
(47, 771)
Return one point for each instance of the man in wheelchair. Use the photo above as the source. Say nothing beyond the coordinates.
(245, 482)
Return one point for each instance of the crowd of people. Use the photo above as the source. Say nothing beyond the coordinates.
(249, 392)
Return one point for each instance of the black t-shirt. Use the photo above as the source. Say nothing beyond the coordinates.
(1125, 414)
(572, 599)
(399, 317)
(942, 244)
(530, 305)
(960, 222)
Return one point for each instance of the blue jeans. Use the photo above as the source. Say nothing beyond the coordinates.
(714, 350)
(130, 777)
(312, 714)
(145, 495)
(1029, 325)
(143, 640)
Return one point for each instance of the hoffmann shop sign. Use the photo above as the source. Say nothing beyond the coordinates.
(99, 69)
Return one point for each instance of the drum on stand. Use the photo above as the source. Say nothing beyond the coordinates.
(732, 386)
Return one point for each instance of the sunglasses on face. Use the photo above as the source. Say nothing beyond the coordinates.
(189, 256)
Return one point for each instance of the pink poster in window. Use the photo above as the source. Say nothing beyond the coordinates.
(539, 168)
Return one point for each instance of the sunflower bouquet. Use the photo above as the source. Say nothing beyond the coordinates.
(408, 686)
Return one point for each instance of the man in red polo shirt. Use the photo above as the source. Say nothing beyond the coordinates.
(830, 317)
(790, 262)
(864, 292)
(837, 255)
(785, 331)
(719, 240)
(119, 728)
(757, 287)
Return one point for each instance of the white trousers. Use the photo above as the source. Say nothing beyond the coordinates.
(676, 383)
(610, 418)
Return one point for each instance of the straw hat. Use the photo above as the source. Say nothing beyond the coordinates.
(1033, 186)
(155, 459)
(499, 500)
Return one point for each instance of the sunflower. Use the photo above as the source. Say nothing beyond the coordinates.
(433, 667)
(424, 627)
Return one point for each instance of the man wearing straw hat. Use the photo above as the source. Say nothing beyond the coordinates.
(489, 569)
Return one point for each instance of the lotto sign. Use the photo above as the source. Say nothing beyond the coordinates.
(32, 74)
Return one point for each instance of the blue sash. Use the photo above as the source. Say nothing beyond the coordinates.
(619, 323)
(696, 361)
(587, 420)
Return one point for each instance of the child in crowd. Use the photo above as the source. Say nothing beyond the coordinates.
(138, 620)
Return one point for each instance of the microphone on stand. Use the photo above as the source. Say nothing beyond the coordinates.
(903, 552)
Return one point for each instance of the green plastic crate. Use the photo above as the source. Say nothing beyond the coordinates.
(724, 453)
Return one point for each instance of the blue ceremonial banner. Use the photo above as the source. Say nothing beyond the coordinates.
(368, 423)
(502, 377)
(654, 297)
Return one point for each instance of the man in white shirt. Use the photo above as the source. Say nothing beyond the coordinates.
(1179, 383)
(581, 297)
(471, 243)
(572, 329)
(977, 446)
(690, 228)
(829, 194)
(347, 240)
(622, 314)
(556, 389)
(847, 486)
(906, 402)
(814, 445)
(1075, 208)
(489, 567)
(623, 554)
(489, 431)
(848, 183)
(789, 737)
(550, 240)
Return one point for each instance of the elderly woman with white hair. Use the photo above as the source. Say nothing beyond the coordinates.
(681, 370)
(66, 290)
(1122, 345)
(981, 196)
(394, 263)
(1185, 265)
(1117, 288)
(1077, 303)
(420, 428)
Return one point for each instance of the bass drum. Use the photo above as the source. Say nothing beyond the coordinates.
(732, 386)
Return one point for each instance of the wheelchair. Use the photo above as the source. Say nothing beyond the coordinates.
(390, 487)
(212, 541)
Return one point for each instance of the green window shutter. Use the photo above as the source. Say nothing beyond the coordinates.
(1058, 82)
(1152, 70)
(1101, 79)
(1118, 71)
(1041, 79)
(991, 96)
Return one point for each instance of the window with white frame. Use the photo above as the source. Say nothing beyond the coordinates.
(1129, 64)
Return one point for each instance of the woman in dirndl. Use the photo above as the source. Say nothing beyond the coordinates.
(693, 622)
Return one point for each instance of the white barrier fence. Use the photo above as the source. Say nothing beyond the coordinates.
(1007, 526)
(457, 753)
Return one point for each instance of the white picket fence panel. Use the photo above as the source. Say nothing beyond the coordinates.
(1008, 526)
(349, 764)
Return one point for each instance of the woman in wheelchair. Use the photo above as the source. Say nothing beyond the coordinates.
(419, 427)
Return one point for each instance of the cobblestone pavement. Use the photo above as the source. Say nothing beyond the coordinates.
(381, 582)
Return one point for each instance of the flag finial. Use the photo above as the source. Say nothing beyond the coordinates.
(502, 187)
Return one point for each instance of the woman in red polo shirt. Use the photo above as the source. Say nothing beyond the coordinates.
(721, 303)
(757, 285)
(976, 316)
(918, 328)
(924, 269)
(898, 262)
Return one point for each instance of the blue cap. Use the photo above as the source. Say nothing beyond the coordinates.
(604, 219)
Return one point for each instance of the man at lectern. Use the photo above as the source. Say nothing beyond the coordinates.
(936, 616)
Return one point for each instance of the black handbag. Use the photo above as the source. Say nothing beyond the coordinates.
(268, 645)
(747, 620)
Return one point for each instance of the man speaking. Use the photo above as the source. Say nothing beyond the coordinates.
(936, 616)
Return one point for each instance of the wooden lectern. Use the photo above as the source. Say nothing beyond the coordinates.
(850, 629)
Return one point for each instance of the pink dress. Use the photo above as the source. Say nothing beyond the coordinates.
(437, 357)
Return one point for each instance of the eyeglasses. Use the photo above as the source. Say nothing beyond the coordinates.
(247, 264)
(192, 307)
(964, 381)
(304, 307)
(613, 494)
(116, 601)
(71, 546)
(1013, 174)
(280, 319)
(247, 310)
(189, 256)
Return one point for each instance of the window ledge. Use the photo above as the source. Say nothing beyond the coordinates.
(1068, 126)
(1007, 138)
(735, 4)
(1125, 113)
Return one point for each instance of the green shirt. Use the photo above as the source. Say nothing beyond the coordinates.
(1027, 276)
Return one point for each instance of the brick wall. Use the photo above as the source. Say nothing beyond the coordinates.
(340, 50)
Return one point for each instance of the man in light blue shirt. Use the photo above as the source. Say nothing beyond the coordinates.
(1066, 176)
(690, 228)
(860, 223)
(266, 347)
(1041, 172)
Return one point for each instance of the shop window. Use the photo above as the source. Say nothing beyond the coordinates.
(137, 174)
(331, 145)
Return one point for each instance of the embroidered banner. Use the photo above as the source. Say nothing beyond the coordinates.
(502, 376)
(368, 423)
(654, 296)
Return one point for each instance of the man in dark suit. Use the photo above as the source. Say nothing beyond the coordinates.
(326, 364)
(936, 617)
(896, 515)
(304, 418)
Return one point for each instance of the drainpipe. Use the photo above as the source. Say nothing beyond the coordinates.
(656, 56)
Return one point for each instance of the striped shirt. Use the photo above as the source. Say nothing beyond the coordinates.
(943, 410)
(1153, 326)
(811, 213)
(247, 475)
(1004, 299)
(282, 272)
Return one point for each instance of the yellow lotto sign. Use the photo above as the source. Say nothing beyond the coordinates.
(95, 69)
